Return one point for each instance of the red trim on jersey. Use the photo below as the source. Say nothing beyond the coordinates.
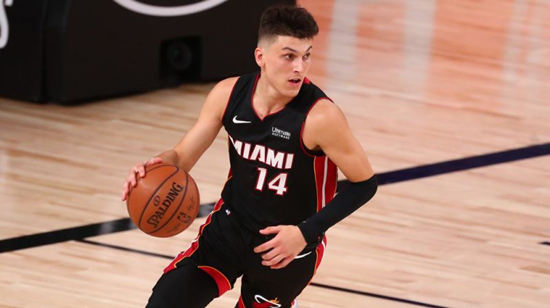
(325, 172)
(223, 283)
(229, 99)
(252, 97)
(318, 171)
(229, 176)
(306, 81)
(332, 181)
(320, 251)
(304, 148)
(195, 244)
(252, 101)
(241, 303)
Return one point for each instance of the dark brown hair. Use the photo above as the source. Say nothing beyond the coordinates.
(292, 21)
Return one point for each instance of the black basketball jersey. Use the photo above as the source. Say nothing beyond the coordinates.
(274, 179)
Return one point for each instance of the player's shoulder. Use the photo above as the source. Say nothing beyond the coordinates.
(220, 93)
(325, 108)
(324, 115)
(224, 87)
(217, 99)
(229, 83)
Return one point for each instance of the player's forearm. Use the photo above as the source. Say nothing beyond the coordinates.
(191, 147)
(346, 202)
(184, 159)
(170, 157)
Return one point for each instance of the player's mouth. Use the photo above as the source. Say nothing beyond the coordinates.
(295, 81)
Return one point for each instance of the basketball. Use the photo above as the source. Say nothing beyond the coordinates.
(164, 202)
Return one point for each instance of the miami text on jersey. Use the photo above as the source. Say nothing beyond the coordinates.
(257, 152)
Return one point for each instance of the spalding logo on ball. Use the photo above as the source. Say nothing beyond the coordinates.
(164, 202)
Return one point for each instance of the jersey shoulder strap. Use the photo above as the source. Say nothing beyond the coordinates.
(308, 96)
(241, 93)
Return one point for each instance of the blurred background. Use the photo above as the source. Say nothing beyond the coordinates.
(449, 99)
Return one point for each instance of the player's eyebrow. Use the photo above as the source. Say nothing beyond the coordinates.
(295, 51)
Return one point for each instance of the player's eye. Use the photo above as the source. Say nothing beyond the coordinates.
(289, 56)
(307, 56)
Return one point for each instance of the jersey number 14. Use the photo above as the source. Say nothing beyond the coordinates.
(278, 183)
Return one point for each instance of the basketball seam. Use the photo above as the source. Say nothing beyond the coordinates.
(158, 187)
(179, 205)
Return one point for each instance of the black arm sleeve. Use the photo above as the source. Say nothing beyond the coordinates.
(346, 202)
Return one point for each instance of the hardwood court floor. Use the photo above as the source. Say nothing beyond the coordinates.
(450, 100)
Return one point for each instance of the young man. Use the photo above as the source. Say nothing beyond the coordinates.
(286, 139)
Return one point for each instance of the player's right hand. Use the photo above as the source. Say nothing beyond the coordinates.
(138, 171)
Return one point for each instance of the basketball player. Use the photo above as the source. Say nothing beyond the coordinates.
(286, 139)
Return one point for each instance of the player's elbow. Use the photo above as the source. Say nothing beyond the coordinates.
(367, 188)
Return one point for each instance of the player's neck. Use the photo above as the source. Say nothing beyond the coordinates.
(267, 99)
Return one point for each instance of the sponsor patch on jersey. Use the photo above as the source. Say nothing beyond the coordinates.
(277, 132)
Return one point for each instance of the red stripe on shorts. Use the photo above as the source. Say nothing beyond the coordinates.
(223, 283)
(195, 244)
(241, 304)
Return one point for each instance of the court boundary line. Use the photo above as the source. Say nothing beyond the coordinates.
(127, 249)
(314, 284)
(392, 177)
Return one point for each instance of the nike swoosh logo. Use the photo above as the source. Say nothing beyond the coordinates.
(240, 121)
(304, 255)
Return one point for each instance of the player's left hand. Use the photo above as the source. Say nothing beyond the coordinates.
(283, 248)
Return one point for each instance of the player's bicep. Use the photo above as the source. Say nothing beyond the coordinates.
(350, 158)
(197, 140)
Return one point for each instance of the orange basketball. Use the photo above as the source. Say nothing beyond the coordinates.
(164, 202)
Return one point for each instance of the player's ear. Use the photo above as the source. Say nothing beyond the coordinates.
(259, 56)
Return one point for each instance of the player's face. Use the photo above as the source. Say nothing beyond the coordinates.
(285, 63)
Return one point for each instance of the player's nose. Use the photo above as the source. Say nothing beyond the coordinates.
(298, 66)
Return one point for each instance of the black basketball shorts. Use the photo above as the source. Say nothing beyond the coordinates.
(224, 251)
